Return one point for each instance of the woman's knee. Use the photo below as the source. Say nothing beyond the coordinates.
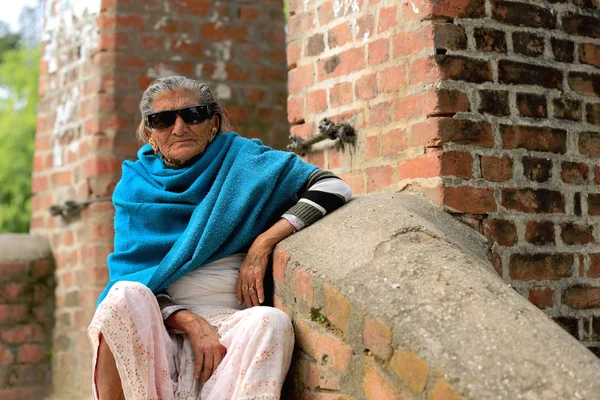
(270, 318)
(127, 292)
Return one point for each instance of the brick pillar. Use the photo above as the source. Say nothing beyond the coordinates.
(26, 316)
(98, 56)
(492, 108)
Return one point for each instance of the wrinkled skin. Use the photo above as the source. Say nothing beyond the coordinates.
(181, 142)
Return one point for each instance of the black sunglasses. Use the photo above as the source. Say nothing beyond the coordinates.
(190, 115)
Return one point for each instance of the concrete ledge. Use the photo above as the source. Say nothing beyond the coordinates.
(23, 247)
(405, 293)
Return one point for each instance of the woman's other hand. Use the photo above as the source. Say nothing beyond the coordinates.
(208, 351)
(250, 288)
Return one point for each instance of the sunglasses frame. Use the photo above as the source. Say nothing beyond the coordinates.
(177, 112)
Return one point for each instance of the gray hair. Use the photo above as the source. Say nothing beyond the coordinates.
(159, 86)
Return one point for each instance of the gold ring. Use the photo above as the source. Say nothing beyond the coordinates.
(244, 288)
(251, 291)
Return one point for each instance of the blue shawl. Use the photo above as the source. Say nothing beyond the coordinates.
(169, 222)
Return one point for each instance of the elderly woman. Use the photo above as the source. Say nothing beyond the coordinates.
(197, 217)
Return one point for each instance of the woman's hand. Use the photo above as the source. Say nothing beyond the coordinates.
(252, 275)
(208, 351)
(250, 287)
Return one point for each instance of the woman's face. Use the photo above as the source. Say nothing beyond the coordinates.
(181, 142)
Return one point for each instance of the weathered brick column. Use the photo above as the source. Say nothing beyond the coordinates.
(98, 56)
(26, 316)
(492, 108)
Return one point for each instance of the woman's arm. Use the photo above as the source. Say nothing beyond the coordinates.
(323, 193)
(167, 305)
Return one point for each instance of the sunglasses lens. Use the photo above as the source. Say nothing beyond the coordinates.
(190, 115)
(162, 120)
(194, 115)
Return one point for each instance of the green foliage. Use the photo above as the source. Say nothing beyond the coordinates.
(19, 71)
(286, 10)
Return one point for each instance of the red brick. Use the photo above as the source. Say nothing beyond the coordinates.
(331, 352)
(528, 267)
(304, 130)
(589, 144)
(392, 79)
(589, 54)
(377, 386)
(249, 13)
(576, 173)
(582, 297)
(424, 70)
(468, 199)
(316, 101)
(466, 69)
(426, 166)
(458, 164)
(302, 285)
(326, 14)
(23, 334)
(541, 298)
(339, 35)
(407, 43)
(372, 147)
(540, 232)
(337, 307)
(535, 201)
(295, 108)
(280, 261)
(387, 19)
(342, 64)
(585, 83)
(574, 234)
(10, 270)
(581, 25)
(356, 181)
(567, 108)
(341, 94)
(518, 73)
(496, 169)
(437, 131)
(449, 36)
(521, 14)
(6, 355)
(490, 40)
(500, 231)
(301, 78)
(316, 379)
(294, 50)
(278, 303)
(379, 177)
(393, 142)
(13, 313)
(379, 51)
(380, 114)
(377, 337)
(366, 87)
(534, 138)
(594, 270)
(597, 175)
(31, 354)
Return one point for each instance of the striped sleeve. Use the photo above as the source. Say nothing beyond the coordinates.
(322, 193)
(167, 305)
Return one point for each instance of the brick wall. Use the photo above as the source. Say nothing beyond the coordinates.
(26, 316)
(492, 108)
(98, 57)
